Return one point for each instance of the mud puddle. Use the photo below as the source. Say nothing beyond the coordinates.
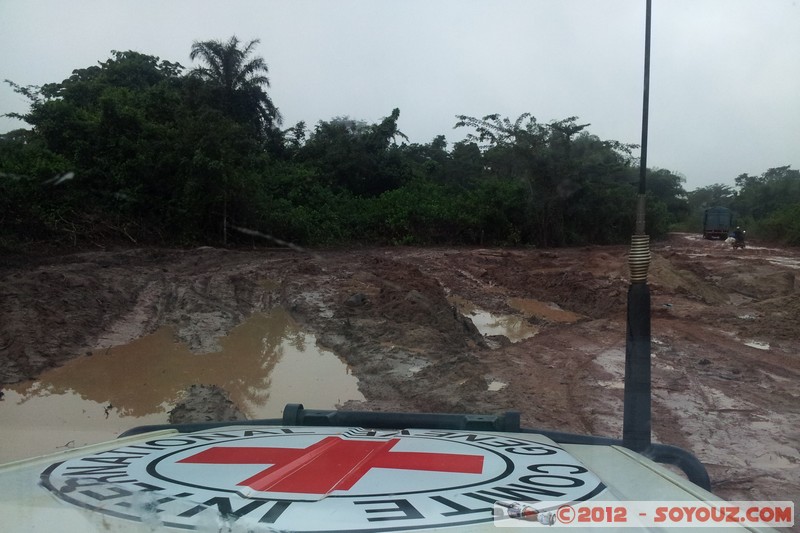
(264, 363)
(514, 327)
(546, 311)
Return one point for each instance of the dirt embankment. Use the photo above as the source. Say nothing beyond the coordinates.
(725, 335)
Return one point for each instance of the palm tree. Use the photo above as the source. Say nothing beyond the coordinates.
(239, 80)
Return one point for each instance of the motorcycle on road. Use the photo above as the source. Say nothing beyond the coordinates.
(736, 239)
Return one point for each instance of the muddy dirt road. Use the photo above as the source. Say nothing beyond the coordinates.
(726, 340)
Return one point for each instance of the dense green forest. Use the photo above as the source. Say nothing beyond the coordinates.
(140, 150)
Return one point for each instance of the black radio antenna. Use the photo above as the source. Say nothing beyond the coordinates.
(636, 423)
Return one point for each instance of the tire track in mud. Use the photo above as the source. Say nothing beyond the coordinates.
(92, 301)
(382, 317)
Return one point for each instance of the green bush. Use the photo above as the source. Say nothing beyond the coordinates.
(782, 226)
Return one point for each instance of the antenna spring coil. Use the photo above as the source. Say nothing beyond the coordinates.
(639, 258)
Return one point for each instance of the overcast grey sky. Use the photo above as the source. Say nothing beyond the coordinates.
(725, 78)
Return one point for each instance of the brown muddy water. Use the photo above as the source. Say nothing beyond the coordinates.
(514, 327)
(264, 363)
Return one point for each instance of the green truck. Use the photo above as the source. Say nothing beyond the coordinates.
(717, 222)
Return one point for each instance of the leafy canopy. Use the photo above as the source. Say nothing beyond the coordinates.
(239, 81)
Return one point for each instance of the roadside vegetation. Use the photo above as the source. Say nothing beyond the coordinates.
(140, 150)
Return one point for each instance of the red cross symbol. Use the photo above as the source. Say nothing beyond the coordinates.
(330, 464)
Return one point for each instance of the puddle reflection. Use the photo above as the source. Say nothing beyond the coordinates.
(514, 327)
(264, 363)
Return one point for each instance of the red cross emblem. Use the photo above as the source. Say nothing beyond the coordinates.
(330, 464)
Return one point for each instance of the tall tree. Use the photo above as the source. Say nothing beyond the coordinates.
(359, 157)
(759, 196)
(667, 187)
(239, 81)
(717, 194)
(116, 126)
(539, 155)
